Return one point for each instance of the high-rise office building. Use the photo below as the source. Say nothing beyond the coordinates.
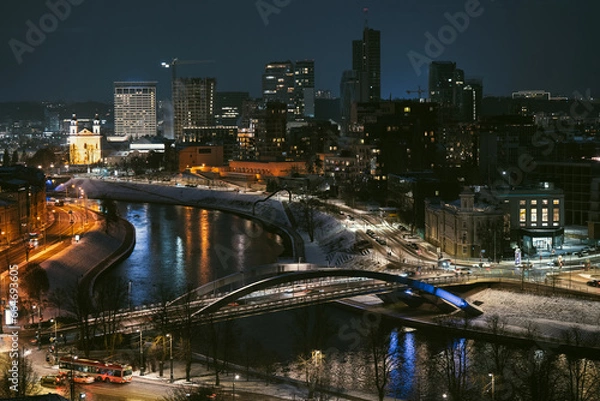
(304, 88)
(470, 106)
(228, 107)
(271, 132)
(278, 83)
(366, 61)
(193, 105)
(135, 109)
(445, 88)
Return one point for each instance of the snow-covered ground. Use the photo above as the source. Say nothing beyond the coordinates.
(545, 316)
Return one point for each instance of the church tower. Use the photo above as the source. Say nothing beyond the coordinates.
(96, 126)
(73, 128)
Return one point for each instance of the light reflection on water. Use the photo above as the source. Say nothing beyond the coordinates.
(179, 247)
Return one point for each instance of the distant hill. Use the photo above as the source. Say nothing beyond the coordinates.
(15, 111)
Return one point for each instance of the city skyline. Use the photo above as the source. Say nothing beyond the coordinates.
(86, 46)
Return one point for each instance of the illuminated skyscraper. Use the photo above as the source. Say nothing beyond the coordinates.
(135, 109)
(304, 88)
(193, 105)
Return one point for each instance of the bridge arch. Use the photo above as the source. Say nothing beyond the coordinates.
(289, 278)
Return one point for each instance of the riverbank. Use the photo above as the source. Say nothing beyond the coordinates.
(270, 213)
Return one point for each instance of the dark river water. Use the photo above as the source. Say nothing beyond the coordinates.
(178, 247)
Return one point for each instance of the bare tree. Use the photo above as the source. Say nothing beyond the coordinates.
(18, 378)
(80, 304)
(161, 325)
(535, 374)
(110, 298)
(452, 364)
(383, 357)
(581, 375)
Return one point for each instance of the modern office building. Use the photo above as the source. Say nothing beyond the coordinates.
(193, 105)
(270, 137)
(278, 84)
(446, 88)
(470, 105)
(228, 107)
(135, 109)
(304, 88)
(366, 61)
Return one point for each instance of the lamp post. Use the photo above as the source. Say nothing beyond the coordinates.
(72, 383)
(72, 222)
(236, 377)
(55, 328)
(142, 367)
(171, 357)
(493, 384)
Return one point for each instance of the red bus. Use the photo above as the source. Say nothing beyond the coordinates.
(99, 370)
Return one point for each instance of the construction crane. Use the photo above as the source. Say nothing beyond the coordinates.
(175, 62)
(419, 91)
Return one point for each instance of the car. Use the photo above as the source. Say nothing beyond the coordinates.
(53, 380)
(407, 274)
(593, 283)
(59, 202)
(83, 379)
(463, 270)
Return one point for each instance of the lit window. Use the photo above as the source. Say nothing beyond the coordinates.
(545, 214)
(556, 201)
(522, 215)
(555, 215)
(544, 201)
(522, 202)
(534, 202)
(533, 215)
(407, 109)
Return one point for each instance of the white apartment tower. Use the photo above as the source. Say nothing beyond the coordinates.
(135, 109)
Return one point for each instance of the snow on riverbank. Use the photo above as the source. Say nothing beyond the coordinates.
(548, 316)
(332, 245)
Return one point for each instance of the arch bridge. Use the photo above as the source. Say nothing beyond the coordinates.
(296, 289)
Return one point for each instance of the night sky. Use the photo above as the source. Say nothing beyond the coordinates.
(511, 44)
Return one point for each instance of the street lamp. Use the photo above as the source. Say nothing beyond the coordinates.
(171, 356)
(142, 367)
(37, 311)
(236, 377)
(72, 383)
(55, 328)
(493, 384)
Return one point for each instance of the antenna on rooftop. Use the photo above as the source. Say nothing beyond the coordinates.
(366, 13)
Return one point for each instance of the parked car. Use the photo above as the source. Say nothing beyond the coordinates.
(463, 270)
(52, 380)
(593, 283)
